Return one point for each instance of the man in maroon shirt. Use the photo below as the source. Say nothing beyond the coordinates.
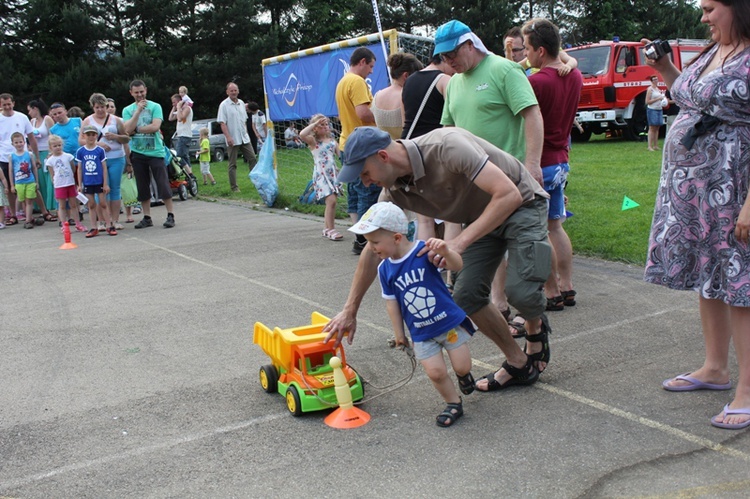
(558, 98)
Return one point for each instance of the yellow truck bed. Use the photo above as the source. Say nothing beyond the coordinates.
(277, 343)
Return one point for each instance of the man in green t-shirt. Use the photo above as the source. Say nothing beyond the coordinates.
(491, 97)
(143, 121)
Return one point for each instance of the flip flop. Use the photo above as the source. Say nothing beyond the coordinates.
(695, 384)
(732, 426)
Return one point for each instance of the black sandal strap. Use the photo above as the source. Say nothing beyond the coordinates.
(466, 383)
(520, 373)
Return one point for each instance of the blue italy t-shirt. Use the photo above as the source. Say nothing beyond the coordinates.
(90, 160)
(427, 306)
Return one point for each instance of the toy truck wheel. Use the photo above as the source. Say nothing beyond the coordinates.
(293, 402)
(268, 378)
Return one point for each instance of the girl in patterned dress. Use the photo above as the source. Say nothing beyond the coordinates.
(325, 175)
(700, 236)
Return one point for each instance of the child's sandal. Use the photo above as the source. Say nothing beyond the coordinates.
(466, 383)
(450, 414)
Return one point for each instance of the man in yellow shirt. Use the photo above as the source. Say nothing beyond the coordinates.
(353, 98)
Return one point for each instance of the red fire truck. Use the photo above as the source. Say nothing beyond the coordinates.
(615, 81)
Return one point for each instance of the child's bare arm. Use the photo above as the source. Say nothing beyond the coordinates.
(307, 134)
(453, 260)
(394, 312)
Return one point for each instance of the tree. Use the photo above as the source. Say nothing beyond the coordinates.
(489, 19)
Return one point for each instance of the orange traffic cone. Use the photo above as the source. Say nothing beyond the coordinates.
(346, 416)
(66, 234)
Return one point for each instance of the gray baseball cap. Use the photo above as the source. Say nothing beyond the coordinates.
(360, 145)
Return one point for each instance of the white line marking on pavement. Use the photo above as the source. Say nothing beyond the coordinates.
(703, 442)
(12, 484)
(316, 305)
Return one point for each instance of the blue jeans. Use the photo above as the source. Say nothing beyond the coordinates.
(183, 149)
(360, 198)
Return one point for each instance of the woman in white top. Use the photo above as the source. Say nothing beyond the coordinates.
(112, 138)
(655, 101)
(42, 122)
(386, 106)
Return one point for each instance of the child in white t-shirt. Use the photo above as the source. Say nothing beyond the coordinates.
(60, 167)
(184, 96)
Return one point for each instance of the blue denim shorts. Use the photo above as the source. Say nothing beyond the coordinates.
(449, 340)
(555, 177)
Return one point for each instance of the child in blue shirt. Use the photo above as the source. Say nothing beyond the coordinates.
(23, 176)
(92, 179)
(415, 293)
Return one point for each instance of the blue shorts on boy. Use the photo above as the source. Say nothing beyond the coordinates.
(427, 306)
(451, 340)
(555, 177)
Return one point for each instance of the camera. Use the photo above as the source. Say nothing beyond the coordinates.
(657, 49)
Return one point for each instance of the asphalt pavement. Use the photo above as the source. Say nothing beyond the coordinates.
(127, 369)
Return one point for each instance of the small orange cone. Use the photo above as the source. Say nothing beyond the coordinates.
(66, 234)
(346, 416)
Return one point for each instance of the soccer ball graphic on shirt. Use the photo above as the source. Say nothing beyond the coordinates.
(90, 165)
(420, 302)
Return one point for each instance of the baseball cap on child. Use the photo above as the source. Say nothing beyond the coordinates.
(89, 129)
(384, 215)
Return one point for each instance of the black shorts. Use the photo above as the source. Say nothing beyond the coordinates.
(142, 165)
(93, 189)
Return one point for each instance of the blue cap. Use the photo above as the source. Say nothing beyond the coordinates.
(447, 36)
(363, 142)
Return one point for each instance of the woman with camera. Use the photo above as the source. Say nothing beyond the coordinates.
(655, 101)
(700, 236)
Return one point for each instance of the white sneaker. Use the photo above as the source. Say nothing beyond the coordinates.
(100, 226)
(2, 225)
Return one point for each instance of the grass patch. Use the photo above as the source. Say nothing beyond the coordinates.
(603, 172)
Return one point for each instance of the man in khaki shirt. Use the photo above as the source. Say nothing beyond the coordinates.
(451, 174)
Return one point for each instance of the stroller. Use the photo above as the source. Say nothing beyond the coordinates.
(181, 178)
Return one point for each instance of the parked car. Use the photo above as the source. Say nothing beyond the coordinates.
(216, 139)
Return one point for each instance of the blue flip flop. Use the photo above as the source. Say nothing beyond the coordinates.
(695, 384)
(732, 426)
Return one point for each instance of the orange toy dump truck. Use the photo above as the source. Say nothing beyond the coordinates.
(300, 367)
